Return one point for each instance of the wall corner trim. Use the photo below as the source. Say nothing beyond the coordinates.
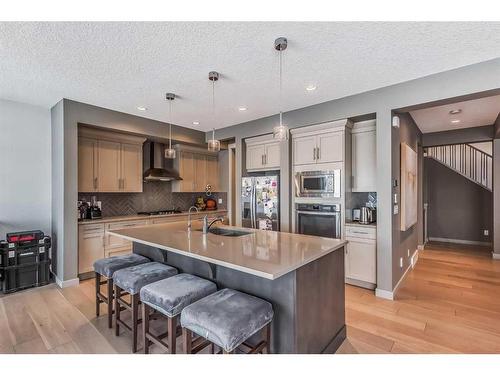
(495, 256)
(67, 283)
(385, 294)
(390, 295)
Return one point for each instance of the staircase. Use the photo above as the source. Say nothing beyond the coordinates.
(466, 160)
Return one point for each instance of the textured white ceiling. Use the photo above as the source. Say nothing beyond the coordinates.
(123, 65)
(477, 112)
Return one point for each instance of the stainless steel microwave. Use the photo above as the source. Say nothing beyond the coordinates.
(318, 184)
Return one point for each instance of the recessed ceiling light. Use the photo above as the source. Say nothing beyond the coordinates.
(311, 88)
(455, 111)
(242, 109)
(142, 108)
(196, 123)
(455, 121)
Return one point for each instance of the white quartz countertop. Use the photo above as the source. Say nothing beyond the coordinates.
(261, 253)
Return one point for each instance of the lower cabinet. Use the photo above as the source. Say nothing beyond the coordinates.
(90, 246)
(94, 241)
(361, 256)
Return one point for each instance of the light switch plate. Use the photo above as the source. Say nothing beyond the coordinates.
(396, 209)
(220, 200)
(486, 232)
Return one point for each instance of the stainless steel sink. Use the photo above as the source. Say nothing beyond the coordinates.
(226, 232)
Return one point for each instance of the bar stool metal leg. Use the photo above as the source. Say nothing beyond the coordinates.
(145, 327)
(97, 291)
(116, 316)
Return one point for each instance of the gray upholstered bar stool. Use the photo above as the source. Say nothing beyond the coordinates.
(107, 267)
(130, 280)
(169, 297)
(228, 318)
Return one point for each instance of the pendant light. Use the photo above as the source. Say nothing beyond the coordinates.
(170, 152)
(280, 131)
(213, 144)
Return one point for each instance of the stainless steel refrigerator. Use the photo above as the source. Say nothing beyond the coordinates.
(260, 202)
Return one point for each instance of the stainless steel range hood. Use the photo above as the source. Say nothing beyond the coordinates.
(156, 165)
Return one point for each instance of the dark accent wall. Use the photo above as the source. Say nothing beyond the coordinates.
(457, 208)
(409, 133)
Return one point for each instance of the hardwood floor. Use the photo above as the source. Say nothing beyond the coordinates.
(448, 304)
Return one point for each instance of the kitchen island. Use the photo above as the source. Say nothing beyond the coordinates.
(302, 276)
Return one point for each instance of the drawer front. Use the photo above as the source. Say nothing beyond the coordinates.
(91, 228)
(164, 220)
(112, 242)
(361, 232)
(118, 251)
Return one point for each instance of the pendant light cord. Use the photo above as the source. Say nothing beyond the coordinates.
(170, 124)
(281, 87)
(213, 108)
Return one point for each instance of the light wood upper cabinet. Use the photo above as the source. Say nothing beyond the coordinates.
(109, 166)
(87, 161)
(213, 172)
(131, 167)
(263, 153)
(364, 158)
(109, 162)
(197, 168)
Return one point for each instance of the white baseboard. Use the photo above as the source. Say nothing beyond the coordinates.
(67, 283)
(390, 295)
(385, 294)
(495, 256)
(461, 242)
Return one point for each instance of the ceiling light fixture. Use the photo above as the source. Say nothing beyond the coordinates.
(170, 152)
(196, 123)
(141, 108)
(455, 111)
(280, 131)
(213, 144)
(455, 121)
(242, 109)
(311, 88)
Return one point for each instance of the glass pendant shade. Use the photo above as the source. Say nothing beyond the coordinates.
(280, 132)
(170, 153)
(213, 144)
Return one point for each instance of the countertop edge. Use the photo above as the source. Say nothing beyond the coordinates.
(231, 265)
(112, 219)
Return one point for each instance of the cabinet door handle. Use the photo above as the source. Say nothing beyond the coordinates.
(265, 159)
(317, 153)
(314, 153)
(95, 182)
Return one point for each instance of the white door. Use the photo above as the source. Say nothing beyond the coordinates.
(364, 162)
(304, 150)
(331, 147)
(255, 156)
(362, 260)
(272, 158)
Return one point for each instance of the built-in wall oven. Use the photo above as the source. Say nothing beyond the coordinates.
(318, 184)
(322, 220)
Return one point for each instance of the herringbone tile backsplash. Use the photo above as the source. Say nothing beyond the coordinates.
(156, 196)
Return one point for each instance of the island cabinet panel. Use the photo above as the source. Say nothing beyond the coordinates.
(308, 303)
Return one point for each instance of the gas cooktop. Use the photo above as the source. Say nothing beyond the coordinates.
(160, 212)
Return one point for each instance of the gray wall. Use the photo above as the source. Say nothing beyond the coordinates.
(24, 168)
(458, 82)
(458, 208)
(409, 133)
(66, 115)
(450, 137)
